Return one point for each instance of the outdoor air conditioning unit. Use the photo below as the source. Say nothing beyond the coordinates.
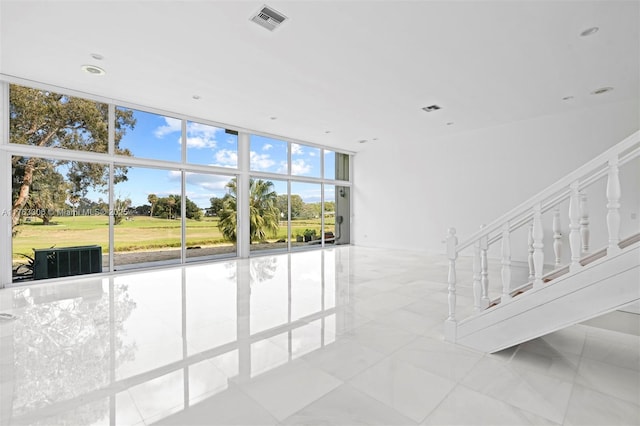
(66, 261)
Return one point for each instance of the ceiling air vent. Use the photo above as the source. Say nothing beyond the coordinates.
(431, 108)
(268, 18)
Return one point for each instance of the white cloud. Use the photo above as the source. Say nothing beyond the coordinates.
(199, 142)
(296, 149)
(299, 167)
(267, 147)
(226, 157)
(200, 136)
(202, 129)
(282, 168)
(208, 182)
(172, 125)
(261, 161)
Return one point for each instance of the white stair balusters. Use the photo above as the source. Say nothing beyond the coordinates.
(484, 270)
(477, 285)
(452, 255)
(584, 222)
(506, 264)
(450, 325)
(574, 226)
(568, 242)
(538, 246)
(530, 257)
(613, 206)
(557, 237)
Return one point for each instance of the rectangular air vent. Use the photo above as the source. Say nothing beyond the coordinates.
(431, 108)
(268, 18)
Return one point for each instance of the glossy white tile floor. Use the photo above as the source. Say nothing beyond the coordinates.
(342, 336)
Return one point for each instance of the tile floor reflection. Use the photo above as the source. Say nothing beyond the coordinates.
(342, 336)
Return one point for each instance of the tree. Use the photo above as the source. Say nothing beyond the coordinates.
(153, 200)
(228, 223)
(48, 192)
(143, 210)
(297, 205)
(121, 207)
(48, 119)
(217, 204)
(192, 211)
(48, 195)
(310, 211)
(171, 202)
(282, 203)
(86, 206)
(263, 213)
(171, 206)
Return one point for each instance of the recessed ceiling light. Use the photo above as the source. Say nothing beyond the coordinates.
(567, 98)
(196, 97)
(97, 56)
(450, 123)
(374, 139)
(602, 90)
(327, 131)
(589, 31)
(92, 69)
(362, 141)
(431, 108)
(273, 118)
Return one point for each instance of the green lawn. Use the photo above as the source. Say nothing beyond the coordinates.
(138, 233)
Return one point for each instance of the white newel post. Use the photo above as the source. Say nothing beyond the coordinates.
(613, 207)
(538, 246)
(484, 270)
(574, 226)
(557, 237)
(506, 264)
(452, 254)
(477, 285)
(530, 258)
(584, 222)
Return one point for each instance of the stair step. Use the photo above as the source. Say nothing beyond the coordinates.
(555, 274)
(628, 241)
(593, 257)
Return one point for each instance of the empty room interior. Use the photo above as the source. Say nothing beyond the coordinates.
(319, 212)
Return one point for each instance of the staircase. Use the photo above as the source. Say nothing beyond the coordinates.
(591, 284)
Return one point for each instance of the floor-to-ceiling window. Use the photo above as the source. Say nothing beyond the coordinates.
(152, 232)
(54, 209)
(267, 214)
(143, 187)
(306, 202)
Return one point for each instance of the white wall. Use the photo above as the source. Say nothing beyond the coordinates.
(407, 193)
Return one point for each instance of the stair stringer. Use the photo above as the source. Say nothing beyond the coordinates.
(598, 288)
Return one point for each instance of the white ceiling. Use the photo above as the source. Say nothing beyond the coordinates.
(359, 69)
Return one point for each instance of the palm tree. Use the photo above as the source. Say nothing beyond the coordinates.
(152, 199)
(171, 202)
(263, 213)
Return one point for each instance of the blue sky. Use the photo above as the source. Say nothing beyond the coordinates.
(159, 137)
